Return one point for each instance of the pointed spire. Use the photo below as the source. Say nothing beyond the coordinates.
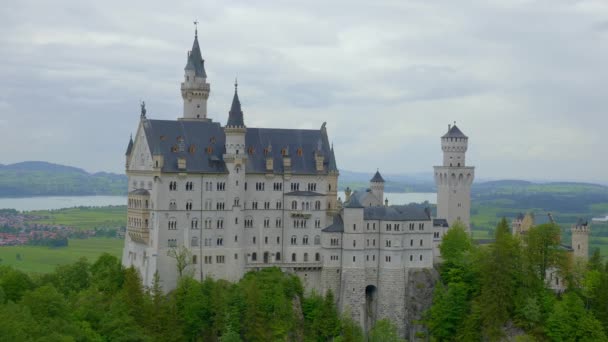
(377, 177)
(235, 115)
(332, 160)
(130, 146)
(195, 58)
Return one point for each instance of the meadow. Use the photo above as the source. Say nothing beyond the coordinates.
(85, 218)
(41, 259)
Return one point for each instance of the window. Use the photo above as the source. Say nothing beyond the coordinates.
(312, 186)
(172, 242)
(208, 259)
(248, 222)
(189, 186)
(420, 257)
(388, 243)
(172, 224)
(293, 257)
(436, 235)
(189, 205)
(277, 186)
(411, 258)
(354, 258)
(254, 205)
(387, 258)
(354, 243)
(254, 256)
(388, 227)
(277, 256)
(421, 242)
(220, 186)
(317, 223)
(354, 227)
(411, 226)
(278, 223)
(396, 227)
(294, 240)
(194, 259)
(294, 205)
(295, 186)
(305, 240)
(266, 240)
(420, 226)
(335, 242)
(220, 206)
(194, 241)
(279, 205)
(219, 241)
(259, 186)
(172, 205)
(194, 223)
(411, 242)
(278, 240)
(333, 257)
(317, 257)
(305, 257)
(220, 223)
(266, 205)
(266, 223)
(172, 186)
(317, 240)
(219, 259)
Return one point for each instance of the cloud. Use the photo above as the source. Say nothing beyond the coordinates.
(524, 79)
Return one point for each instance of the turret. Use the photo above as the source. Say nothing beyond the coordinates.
(195, 89)
(454, 145)
(376, 184)
(128, 153)
(580, 239)
(454, 178)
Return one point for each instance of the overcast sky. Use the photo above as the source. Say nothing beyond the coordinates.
(527, 81)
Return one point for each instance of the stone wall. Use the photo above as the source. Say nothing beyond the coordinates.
(419, 297)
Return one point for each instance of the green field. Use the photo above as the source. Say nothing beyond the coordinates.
(40, 259)
(85, 218)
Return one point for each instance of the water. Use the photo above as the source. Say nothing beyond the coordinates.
(58, 202)
(405, 197)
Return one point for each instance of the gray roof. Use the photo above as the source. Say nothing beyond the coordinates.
(129, 147)
(202, 143)
(377, 178)
(336, 227)
(195, 60)
(303, 193)
(353, 202)
(581, 223)
(440, 223)
(235, 116)
(395, 213)
(332, 159)
(454, 132)
(140, 192)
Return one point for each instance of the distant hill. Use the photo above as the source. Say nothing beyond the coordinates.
(37, 178)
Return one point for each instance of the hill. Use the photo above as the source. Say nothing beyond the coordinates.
(37, 178)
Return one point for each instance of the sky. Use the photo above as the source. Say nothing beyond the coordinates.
(527, 81)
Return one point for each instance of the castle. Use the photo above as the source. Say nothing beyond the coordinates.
(234, 198)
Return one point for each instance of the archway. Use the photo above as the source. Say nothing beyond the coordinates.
(371, 304)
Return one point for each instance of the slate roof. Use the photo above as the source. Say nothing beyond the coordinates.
(581, 223)
(353, 202)
(202, 143)
(332, 160)
(377, 178)
(395, 213)
(336, 227)
(440, 223)
(235, 115)
(454, 132)
(195, 60)
(129, 147)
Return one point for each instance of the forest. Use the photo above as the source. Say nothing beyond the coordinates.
(103, 301)
(497, 291)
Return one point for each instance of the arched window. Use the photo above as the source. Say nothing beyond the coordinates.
(294, 205)
(318, 205)
(317, 257)
(317, 240)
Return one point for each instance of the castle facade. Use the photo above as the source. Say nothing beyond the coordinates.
(228, 199)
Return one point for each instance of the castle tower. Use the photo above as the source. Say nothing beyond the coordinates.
(376, 184)
(195, 89)
(353, 262)
(454, 179)
(580, 239)
(235, 158)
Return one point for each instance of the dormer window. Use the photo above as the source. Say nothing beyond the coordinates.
(209, 150)
(299, 151)
(284, 152)
(192, 149)
(212, 140)
(251, 150)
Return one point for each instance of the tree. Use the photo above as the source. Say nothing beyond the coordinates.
(571, 322)
(501, 272)
(450, 305)
(455, 243)
(542, 249)
(183, 258)
(351, 331)
(384, 331)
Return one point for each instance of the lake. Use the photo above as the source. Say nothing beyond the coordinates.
(58, 202)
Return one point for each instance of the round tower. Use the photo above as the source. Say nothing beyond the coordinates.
(454, 178)
(580, 239)
(195, 89)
